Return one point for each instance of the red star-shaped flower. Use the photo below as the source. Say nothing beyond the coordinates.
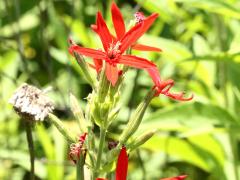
(114, 47)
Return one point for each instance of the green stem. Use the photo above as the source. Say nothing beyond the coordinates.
(30, 148)
(80, 167)
(100, 150)
(232, 140)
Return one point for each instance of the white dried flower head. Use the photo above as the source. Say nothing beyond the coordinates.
(31, 103)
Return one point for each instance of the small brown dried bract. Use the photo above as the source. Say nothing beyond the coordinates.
(31, 103)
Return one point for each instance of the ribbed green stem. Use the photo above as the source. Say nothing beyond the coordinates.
(80, 167)
(100, 151)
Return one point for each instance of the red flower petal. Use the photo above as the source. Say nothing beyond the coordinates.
(137, 31)
(176, 178)
(87, 52)
(142, 47)
(98, 64)
(103, 31)
(118, 22)
(135, 61)
(147, 23)
(112, 73)
(101, 179)
(130, 37)
(164, 87)
(178, 96)
(122, 165)
(153, 72)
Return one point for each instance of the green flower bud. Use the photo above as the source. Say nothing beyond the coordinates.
(105, 109)
(59, 125)
(136, 118)
(95, 109)
(103, 86)
(77, 111)
(85, 69)
(140, 140)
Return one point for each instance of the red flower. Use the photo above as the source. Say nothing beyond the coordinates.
(114, 48)
(164, 87)
(182, 177)
(122, 166)
(76, 148)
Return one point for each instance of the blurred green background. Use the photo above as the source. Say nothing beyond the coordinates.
(201, 52)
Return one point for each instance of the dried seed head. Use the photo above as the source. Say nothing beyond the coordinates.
(31, 103)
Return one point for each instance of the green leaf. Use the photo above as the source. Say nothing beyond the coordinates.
(216, 6)
(192, 115)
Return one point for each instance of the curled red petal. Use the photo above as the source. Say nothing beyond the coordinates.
(164, 87)
(118, 22)
(103, 31)
(179, 96)
(182, 177)
(142, 47)
(135, 61)
(122, 165)
(112, 73)
(87, 52)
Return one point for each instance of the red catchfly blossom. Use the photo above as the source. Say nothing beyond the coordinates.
(76, 148)
(122, 166)
(164, 87)
(182, 177)
(114, 47)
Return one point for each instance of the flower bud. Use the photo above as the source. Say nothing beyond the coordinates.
(77, 111)
(140, 140)
(95, 112)
(103, 86)
(59, 125)
(136, 118)
(84, 67)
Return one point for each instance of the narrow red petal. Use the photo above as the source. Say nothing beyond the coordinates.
(135, 61)
(137, 31)
(98, 64)
(153, 72)
(87, 52)
(112, 73)
(103, 31)
(176, 178)
(101, 179)
(142, 47)
(122, 165)
(118, 21)
(130, 37)
(147, 23)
